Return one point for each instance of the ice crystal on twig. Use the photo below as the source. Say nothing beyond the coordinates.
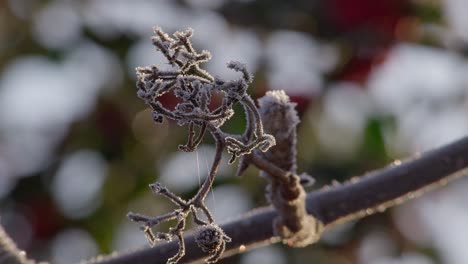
(194, 87)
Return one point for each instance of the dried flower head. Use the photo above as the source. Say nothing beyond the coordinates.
(194, 88)
(212, 240)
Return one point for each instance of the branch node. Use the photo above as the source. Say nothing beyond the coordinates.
(285, 190)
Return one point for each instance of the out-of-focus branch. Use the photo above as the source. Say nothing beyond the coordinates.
(9, 253)
(366, 195)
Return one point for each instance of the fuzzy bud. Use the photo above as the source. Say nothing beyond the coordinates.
(280, 120)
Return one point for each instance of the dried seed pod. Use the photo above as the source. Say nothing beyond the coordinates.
(212, 240)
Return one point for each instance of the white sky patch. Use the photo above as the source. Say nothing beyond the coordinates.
(210, 33)
(270, 254)
(423, 128)
(236, 45)
(455, 14)
(76, 188)
(35, 93)
(405, 258)
(208, 27)
(57, 25)
(449, 234)
(421, 87)
(179, 171)
(296, 62)
(442, 128)
(32, 112)
(28, 151)
(340, 128)
(206, 4)
(409, 221)
(142, 53)
(348, 105)
(73, 246)
(414, 75)
(128, 236)
(40, 98)
(38, 93)
(338, 235)
(374, 246)
(229, 202)
(94, 69)
(109, 20)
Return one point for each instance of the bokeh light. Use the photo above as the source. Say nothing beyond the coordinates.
(73, 245)
(76, 186)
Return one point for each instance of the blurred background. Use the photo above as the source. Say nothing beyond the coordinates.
(374, 81)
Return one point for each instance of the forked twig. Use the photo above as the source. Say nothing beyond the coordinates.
(194, 87)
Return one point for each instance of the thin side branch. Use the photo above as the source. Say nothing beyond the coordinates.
(360, 197)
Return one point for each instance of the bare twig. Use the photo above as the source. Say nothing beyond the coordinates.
(278, 165)
(360, 197)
